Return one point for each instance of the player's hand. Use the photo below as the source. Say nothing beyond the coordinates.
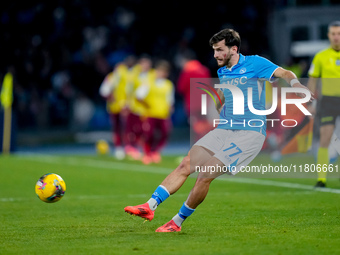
(302, 95)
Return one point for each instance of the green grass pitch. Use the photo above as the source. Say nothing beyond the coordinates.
(250, 216)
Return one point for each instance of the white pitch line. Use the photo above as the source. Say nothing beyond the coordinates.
(281, 184)
(142, 196)
(96, 164)
(162, 170)
(11, 199)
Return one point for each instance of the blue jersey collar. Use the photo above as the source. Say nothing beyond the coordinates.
(241, 60)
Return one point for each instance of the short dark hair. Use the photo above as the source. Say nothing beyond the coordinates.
(334, 24)
(231, 37)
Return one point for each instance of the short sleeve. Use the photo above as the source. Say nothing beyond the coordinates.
(315, 67)
(264, 68)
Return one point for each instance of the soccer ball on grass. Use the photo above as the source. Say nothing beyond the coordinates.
(50, 188)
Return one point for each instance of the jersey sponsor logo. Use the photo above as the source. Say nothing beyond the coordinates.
(236, 81)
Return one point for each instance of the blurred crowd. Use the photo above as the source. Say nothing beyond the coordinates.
(140, 101)
(60, 51)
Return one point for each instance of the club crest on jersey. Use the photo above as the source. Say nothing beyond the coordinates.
(243, 70)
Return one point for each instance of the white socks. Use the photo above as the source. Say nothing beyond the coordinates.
(152, 204)
(178, 220)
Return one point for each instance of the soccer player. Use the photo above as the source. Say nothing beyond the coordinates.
(137, 112)
(157, 94)
(326, 65)
(192, 68)
(113, 90)
(226, 145)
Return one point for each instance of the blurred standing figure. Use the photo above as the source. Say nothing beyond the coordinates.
(113, 88)
(157, 94)
(192, 68)
(137, 111)
(326, 65)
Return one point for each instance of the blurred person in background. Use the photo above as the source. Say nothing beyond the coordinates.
(113, 89)
(326, 65)
(192, 68)
(140, 74)
(157, 94)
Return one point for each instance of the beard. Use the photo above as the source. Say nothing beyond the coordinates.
(225, 62)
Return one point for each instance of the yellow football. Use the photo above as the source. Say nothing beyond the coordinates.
(50, 188)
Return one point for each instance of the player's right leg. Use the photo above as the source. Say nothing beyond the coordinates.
(171, 183)
(196, 196)
(233, 150)
(177, 177)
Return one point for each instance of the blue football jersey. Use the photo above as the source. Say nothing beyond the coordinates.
(250, 72)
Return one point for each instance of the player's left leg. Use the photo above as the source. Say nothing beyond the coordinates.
(238, 150)
(171, 183)
(196, 196)
(201, 187)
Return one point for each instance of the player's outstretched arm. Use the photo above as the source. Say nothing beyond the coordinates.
(291, 79)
